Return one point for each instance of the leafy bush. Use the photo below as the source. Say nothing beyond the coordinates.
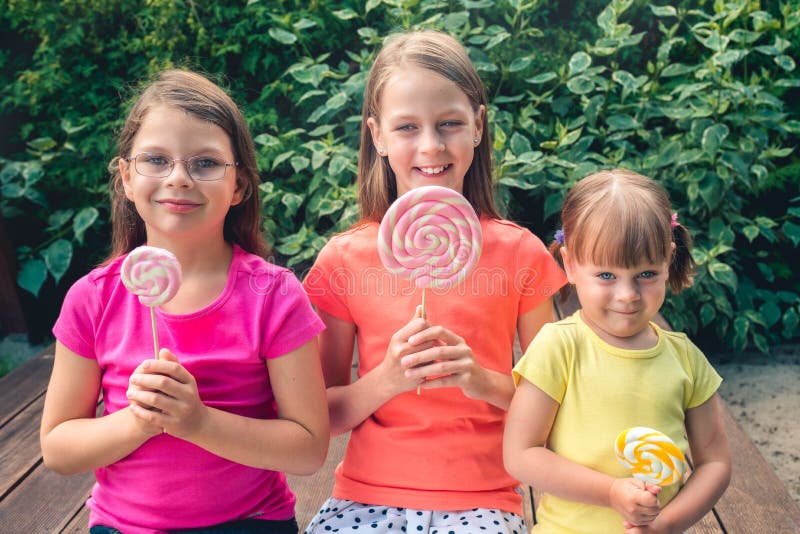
(698, 97)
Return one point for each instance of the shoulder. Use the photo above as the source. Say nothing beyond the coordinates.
(505, 234)
(99, 281)
(357, 244)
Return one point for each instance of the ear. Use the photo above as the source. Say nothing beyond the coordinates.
(238, 193)
(480, 114)
(375, 132)
(568, 267)
(124, 168)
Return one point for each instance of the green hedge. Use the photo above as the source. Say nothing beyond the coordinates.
(701, 96)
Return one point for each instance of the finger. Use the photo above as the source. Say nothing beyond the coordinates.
(167, 355)
(437, 332)
(419, 312)
(655, 489)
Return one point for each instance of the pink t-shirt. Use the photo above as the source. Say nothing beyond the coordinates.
(169, 483)
(439, 450)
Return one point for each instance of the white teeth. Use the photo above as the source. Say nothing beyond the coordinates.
(433, 170)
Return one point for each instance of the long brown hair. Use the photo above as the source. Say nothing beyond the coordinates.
(619, 217)
(442, 54)
(197, 95)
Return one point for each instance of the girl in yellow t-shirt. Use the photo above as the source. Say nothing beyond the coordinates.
(585, 379)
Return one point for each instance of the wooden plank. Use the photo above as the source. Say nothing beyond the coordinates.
(756, 501)
(19, 446)
(43, 500)
(76, 523)
(25, 384)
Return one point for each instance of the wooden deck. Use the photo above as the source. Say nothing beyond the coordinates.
(36, 500)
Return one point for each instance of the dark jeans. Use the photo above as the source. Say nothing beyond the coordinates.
(243, 526)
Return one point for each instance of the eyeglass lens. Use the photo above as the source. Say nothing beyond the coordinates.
(205, 168)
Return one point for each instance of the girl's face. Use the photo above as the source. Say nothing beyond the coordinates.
(617, 303)
(427, 128)
(178, 206)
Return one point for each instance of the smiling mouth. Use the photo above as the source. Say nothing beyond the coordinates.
(434, 171)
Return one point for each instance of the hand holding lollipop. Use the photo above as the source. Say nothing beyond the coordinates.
(432, 236)
(154, 274)
(650, 455)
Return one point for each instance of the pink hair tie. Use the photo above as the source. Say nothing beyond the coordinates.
(674, 220)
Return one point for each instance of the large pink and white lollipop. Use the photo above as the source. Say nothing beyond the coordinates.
(432, 236)
(154, 274)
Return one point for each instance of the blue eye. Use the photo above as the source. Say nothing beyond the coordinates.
(206, 163)
(154, 159)
(605, 276)
(648, 274)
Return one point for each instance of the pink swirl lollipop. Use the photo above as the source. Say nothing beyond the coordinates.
(154, 274)
(432, 236)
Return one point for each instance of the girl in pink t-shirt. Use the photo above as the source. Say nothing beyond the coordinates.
(430, 462)
(197, 438)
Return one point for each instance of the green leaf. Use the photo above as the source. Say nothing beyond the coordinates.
(785, 62)
(281, 158)
(336, 101)
(282, 36)
(345, 14)
(13, 191)
(42, 143)
(517, 183)
(83, 221)
(57, 257)
(622, 122)
(751, 232)
(580, 85)
(578, 63)
(32, 275)
(299, 163)
(520, 63)
(677, 69)
(771, 313)
(707, 314)
(292, 202)
(59, 218)
(663, 11)
(792, 232)
(338, 165)
(722, 273)
(542, 78)
(519, 144)
(713, 136)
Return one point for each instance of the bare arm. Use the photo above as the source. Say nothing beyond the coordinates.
(72, 439)
(351, 403)
(526, 457)
(711, 475)
(296, 442)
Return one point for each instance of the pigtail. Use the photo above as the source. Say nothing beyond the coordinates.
(681, 268)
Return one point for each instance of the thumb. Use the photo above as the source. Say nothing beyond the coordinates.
(419, 313)
(167, 356)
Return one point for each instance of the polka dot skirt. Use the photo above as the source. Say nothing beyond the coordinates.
(351, 517)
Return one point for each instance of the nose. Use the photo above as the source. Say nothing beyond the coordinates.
(431, 141)
(628, 291)
(179, 175)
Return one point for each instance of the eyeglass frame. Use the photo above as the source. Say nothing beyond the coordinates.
(186, 163)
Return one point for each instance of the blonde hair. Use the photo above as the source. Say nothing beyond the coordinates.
(442, 54)
(619, 217)
(201, 98)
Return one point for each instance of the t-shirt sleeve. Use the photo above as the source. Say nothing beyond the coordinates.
(545, 364)
(706, 380)
(291, 321)
(76, 326)
(327, 281)
(537, 274)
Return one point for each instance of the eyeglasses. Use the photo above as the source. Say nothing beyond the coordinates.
(202, 168)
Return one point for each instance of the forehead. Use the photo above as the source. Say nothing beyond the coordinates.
(170, 128)
(414, 90)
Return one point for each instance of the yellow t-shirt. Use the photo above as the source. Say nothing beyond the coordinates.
(602, 390)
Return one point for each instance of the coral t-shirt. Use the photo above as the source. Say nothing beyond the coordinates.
(169, 483)
(439, 450)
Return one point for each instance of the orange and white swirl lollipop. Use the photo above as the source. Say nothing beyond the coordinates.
(432, 236)
(154, 275)
(650, 455)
